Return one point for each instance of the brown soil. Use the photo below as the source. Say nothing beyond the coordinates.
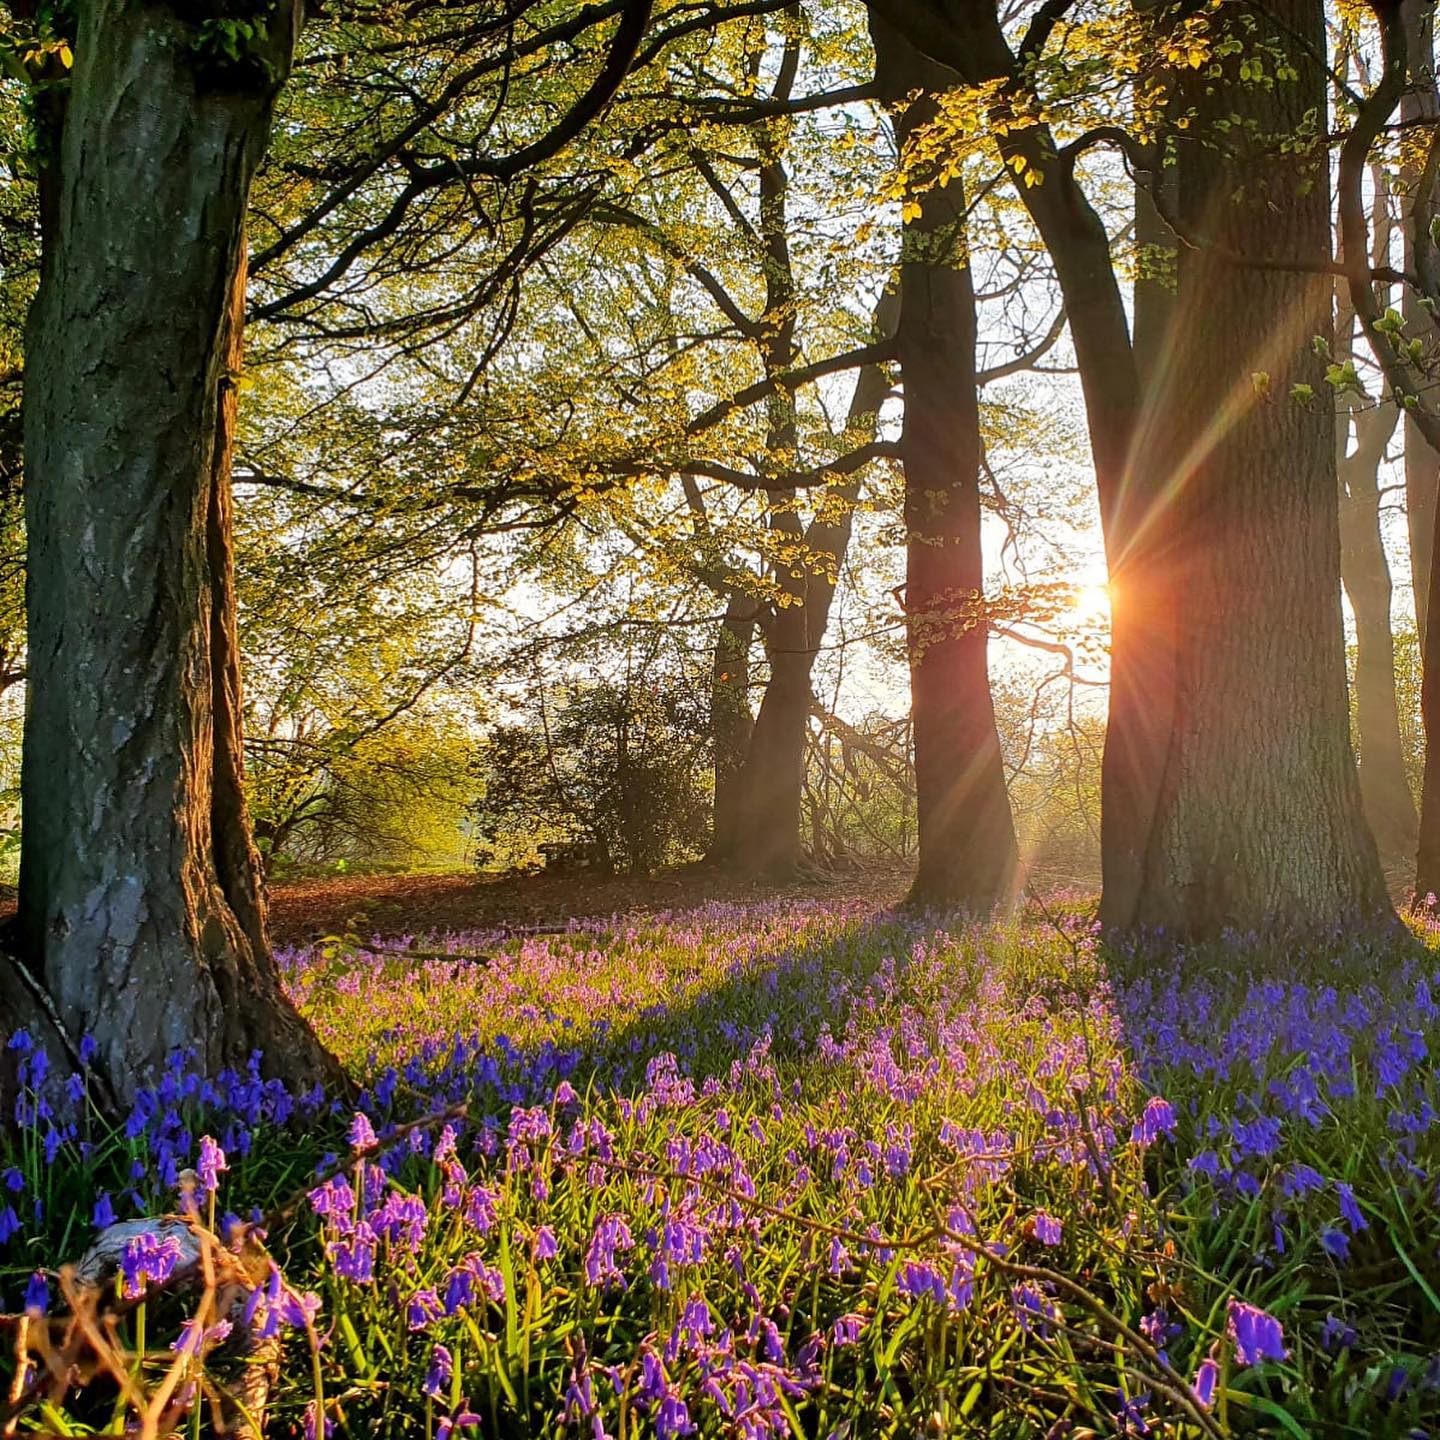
(389, 905)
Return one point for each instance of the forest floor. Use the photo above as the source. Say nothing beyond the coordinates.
(388, 905)
(788, 1153)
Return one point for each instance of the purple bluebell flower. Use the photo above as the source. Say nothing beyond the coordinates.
(1350, 1210)
(422, 1308)
(298, 1311)
(362, 1133)
(37, 1295)
(1206, 1379)
(334, 1198)
(459, 1290)
(313, 1427)
(1300, 1179)
(610, 1237)
(1259, 1137)
(1257, 1335)
(768, 1334)
(148, 1260)
(441, 1372)
(545, 1246)
(961, 1289)
(465, 1419)
(103, 1215)
(1159, 1330)
(194, 1337)
(922, 1281)
(1335, 1243)
(353, 1256)
(1045, 1227)
(672, 1419)
(480, 1208)
(1335, 1334)
(1157, 1119)
(211, 1163)
(1130, 1415)
(1034, 1309)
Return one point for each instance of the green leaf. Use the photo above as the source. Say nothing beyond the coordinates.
(1415, 1275)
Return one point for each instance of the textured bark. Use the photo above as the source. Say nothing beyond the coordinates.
(967, 850)
(1419, 103)
(1384, 782)
(772, 781)
(771, 785)
(774, 776)
(807, 558)
(1427, 857)
(1365, 571)
(1405, 380)
(141, 912)
(731, 723)
(969, 39)
(1153, 295)
(1259, 823)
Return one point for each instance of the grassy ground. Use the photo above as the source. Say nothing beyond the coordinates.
(796, 1166)
(371, 906)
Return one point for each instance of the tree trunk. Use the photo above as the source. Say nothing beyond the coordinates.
(1420, 103)
(1365, 571)
(772, 784)
(970, 40)
(1259, 823)
(772, 780)
(141, 913)
(807, 559)
(731, 724)
(1120, 415)
(774, 776)
(1153, 295)
(1384, 783)
(1427, 857)
(967, 850)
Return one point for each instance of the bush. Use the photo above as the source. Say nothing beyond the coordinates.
(615, 781)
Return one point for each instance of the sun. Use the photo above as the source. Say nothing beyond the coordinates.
(1089, 604)
(1091, 601)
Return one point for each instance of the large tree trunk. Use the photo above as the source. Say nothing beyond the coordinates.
(1365, 571)
(141, 913)
(1229, 789)
(970, 40)
(806, 560)
(1120, 415)
(1153, 294)
(967, 850)
(772, 780)
(1384, 782)
(731, 724)
(1419, 104)
(772, 783)
(1259, 823)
